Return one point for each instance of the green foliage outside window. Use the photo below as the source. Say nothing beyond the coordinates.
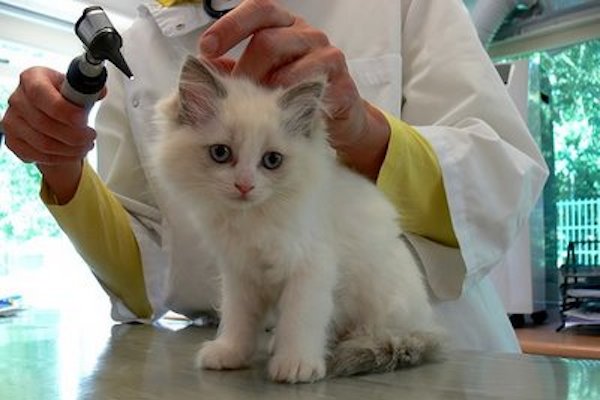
(4, 93)
(573, 76)
(22, 215)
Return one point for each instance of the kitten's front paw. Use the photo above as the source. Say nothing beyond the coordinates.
(217, 354)
(292, 369)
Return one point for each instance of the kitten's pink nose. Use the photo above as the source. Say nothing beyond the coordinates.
(244, 188)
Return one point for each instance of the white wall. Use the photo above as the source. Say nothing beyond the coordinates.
(49, 24)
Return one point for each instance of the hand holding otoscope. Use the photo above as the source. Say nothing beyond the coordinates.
(86, 76)
(42, 127)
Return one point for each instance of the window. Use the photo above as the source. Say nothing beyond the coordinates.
(37, 261)
(564, 113)
(571, 86)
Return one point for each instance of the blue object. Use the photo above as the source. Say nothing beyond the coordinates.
(10, 305)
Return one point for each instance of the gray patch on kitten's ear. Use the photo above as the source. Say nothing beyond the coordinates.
(199, 90)
(301, 104)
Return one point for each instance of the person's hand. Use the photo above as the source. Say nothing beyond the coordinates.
(285, 50)
(42, 127)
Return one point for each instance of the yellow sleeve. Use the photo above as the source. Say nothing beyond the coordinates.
(99, 228)
(169, 3)
(411, 178)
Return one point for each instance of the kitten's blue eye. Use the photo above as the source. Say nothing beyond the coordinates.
(220, 153)
(272, 160)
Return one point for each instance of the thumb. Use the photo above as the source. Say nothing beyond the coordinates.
(103, 93)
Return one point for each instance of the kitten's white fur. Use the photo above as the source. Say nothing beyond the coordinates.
(313, 240)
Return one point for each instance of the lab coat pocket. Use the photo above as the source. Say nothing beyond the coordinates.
(379, 80)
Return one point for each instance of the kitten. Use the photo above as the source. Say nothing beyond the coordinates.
(291, 231)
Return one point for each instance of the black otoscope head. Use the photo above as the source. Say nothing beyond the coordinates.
(101, 39)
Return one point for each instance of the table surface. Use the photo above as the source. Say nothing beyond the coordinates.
(49, 355)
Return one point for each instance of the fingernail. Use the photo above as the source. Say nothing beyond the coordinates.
(209, 44)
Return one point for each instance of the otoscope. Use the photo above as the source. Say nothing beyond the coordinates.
(87, 75)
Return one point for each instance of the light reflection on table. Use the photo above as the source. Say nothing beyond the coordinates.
(51, 355)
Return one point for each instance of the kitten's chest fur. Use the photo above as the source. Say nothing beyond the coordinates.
(260, 244)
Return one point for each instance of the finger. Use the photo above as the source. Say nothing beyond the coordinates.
(27, 153)
(328, 61)
(244, 20)
(43, 86)
(47, 145)
(274, 47)
(22, 149)
(28, 112)
(341, 93)
(222, 64)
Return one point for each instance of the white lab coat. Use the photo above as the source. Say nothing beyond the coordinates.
(419, 60)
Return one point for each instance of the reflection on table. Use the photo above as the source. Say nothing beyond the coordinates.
(49, 355)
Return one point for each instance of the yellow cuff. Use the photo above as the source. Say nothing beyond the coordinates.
(169, 3)
(99, 228)
(411, 178)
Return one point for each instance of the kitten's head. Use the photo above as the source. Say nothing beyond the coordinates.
(236, 144)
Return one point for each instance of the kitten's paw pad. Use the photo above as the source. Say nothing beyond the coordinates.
(296, 369)
(217, 355)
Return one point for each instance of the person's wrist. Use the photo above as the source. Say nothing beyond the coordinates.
(367, 152)
(62, 179)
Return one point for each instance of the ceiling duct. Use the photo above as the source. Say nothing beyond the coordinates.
(489, 15)
(510, 27)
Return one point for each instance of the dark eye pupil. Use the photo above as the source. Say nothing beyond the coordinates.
(220, 153)
(272, 160)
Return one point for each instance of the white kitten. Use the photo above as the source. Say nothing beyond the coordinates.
(292, 231)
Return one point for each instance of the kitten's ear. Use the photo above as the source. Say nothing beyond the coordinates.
(199, 90)
(301, 104)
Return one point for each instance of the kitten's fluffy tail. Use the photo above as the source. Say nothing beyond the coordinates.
(367, 354)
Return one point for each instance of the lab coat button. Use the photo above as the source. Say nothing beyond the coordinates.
(143, 10)
(135, 102)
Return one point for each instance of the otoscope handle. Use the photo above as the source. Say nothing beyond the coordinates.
(83, 89)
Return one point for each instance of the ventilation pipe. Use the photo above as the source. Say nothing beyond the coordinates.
(488, 15)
